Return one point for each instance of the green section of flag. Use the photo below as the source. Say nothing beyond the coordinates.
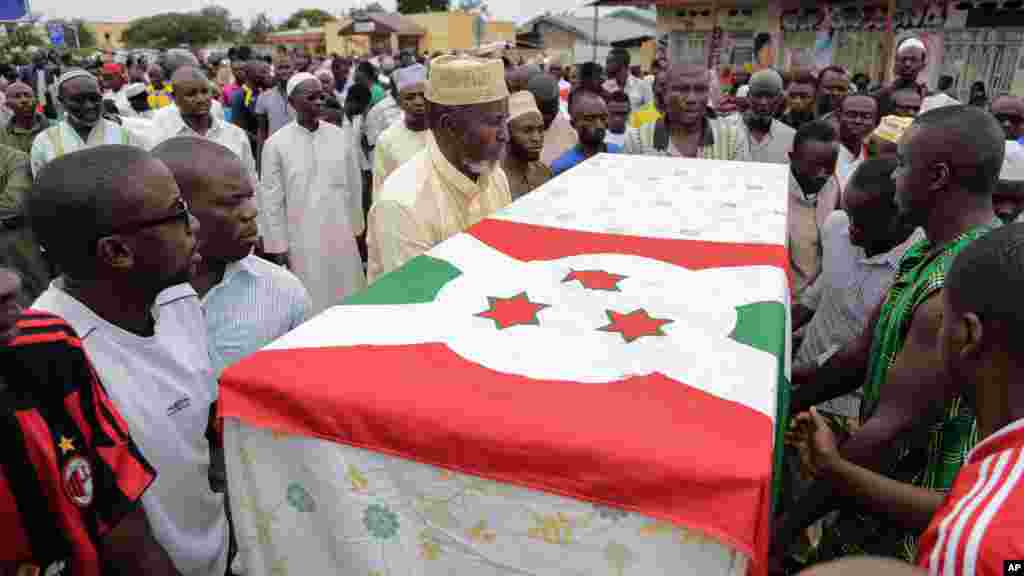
(417, 282)
(762, 325)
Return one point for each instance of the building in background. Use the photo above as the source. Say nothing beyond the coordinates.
(574, 36)
(108, 35)
(386, 32)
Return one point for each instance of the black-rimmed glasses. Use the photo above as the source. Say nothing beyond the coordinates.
(181, 214)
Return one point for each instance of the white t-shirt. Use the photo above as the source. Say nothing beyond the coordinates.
(163, 385)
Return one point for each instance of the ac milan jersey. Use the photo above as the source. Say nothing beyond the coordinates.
(980, 524)
(68, 470)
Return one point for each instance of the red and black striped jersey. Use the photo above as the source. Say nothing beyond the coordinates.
(68, 469)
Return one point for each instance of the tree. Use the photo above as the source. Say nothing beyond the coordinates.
(86, 36)
(172, 29)
(312, 17)
(23, 36)
(420, 6)
(260, 27)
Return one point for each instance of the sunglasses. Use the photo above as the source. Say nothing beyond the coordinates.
(181, 214)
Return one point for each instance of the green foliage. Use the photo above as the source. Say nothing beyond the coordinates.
(171, 29)
(86, 36)
(308, 17)
(420, 6)
(22, 36)
(259, 28)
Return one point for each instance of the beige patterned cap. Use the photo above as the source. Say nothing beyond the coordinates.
(463, 80)
(891, 128)
(522, 103)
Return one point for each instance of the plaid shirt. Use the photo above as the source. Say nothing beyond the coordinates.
(934, 461)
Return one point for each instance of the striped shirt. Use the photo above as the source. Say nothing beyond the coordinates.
(68, 470)
(254, 304)
(980, 524)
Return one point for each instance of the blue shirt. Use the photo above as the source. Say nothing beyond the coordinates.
(574, 156)
(255, 303)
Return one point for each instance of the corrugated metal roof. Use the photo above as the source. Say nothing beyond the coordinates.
(609, 29)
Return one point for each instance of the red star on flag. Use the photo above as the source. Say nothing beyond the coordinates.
(514, 311)
(634, 325)
(595, 279)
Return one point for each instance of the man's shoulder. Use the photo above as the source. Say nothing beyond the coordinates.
(613, 148)
(404, 184)
(279, 135)
(278, 278)
(565, 160)
(783, 129)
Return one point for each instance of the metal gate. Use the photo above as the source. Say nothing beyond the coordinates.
(984, 54)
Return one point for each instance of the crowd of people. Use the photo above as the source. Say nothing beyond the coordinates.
(160, 222)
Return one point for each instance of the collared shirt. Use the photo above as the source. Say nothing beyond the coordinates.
(525, 178)
(847, 163)
(558, 138)
(848, 289)
(423, 203)
(803, 239)
(617, 139)
(575, 155)
(639, 91)
(62, 139)
(159, 97)
(20, 138)
(69, 465)
(978, 527)
(164, 386)
(274, 105)
(171, 124)
(254, 304)
(721, 141)
(396, 146)
(312, 197)
(776, 145)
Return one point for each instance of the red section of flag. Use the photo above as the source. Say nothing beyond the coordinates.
(645, 443)
(530, 242)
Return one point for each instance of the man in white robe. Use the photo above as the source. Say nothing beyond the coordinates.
(83, 126)
(311, 195)
(403, 139)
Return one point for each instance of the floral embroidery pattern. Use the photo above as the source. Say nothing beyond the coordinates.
(380, 522)
(552, 528)
(357, 479)
(480, 533)
(300, 499)
(608, 513)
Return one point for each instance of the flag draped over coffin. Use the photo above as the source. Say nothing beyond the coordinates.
(634, 371)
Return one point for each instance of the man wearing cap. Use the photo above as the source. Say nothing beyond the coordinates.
(768, 139)
(559, 135)
(522, 163)
(457, 180)
(26, 121)
(83, 126)
(404, 139)
(113, 84)
(1008, 198)
(311, 196)
(911, 59)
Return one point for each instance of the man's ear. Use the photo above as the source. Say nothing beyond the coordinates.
(115, 253)
(974, 337)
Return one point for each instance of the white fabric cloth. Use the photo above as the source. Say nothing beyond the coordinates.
(380, 118)
(163, 385)
(396, 146)
(847, 163)
(617, 139)
(141, 129)
(160, 116)
(937, 100)
(308, 506)
(1013, 162)
(311, 194)
(61, 139)
(124, 108)
(254, 304)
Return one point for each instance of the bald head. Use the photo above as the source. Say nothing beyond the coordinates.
(965, 138)
(544, 88)
(197, 164)
(767, 80)
(1009, 112)
(77, 197)
(17, 88)
(986, 280)
(187, 74)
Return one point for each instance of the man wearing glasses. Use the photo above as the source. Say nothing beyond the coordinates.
(114, 222)
(83, 126)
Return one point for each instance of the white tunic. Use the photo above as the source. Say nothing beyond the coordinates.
(311, 194)
(61, 139)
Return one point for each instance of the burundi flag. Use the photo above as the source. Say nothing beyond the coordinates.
(542, 350)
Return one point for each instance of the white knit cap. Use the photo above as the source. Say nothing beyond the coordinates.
(410, 76)
(1013, 163)
(297, 79)
(743, 91)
